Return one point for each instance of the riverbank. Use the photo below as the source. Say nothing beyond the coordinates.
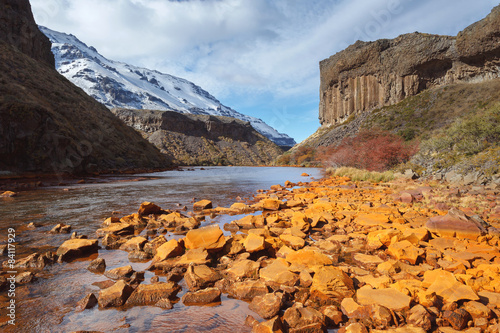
(309, 255)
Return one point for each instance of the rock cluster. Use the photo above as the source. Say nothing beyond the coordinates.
(359, 257)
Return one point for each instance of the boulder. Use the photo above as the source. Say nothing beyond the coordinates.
(88, 302)
(389, 298)
(330, 285)
(293, 242)
(301, 319)
(134, 244)
(200, 277)
(148, 208)
(202, 204)
(150, 294)
(152, 246)
(254, 243)
(97, 265)
(116, 295)
(405, 250)
(170, 249)
(242, 269)
(203, 296)
(277, 273)
(77, 248)
(267, 306)
(247, 290)
(271, 204)
(164, 303)
(455, 224)
(112, 242)
(119, 272)
(209, 238)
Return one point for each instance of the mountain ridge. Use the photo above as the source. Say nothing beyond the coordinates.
(120, 85)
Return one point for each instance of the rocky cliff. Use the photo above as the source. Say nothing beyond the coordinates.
(369, 75)
(202, 139)
(47, 124)
(18, 28)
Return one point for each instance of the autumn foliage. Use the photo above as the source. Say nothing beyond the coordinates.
(373, 150)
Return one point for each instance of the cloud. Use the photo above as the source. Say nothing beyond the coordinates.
(241, 50)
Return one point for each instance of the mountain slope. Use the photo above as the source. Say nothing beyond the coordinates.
(120, 85)
(202, 139)
(47, 124)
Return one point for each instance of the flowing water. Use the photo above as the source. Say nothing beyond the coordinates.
(47, 305)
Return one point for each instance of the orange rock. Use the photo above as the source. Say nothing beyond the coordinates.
(372, 219)
(308, 258)
(445, 284)
(242, 269)
(148, 208)
(294, 242)
(8, 194)
(277, 272)
(389, 298)
(254, 243)
(405, 250)
(202, 204)
(379, 238)
(167, 250)
(333, 283)
(209, 238)
(271, 204)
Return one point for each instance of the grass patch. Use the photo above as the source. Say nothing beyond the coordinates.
(361, 175)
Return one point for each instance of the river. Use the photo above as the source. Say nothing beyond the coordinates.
(47, 305)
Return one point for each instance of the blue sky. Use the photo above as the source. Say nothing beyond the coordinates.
(259, 57)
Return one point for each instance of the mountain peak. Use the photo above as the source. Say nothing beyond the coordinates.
(119, 85)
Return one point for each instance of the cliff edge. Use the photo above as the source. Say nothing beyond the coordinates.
(370, 75)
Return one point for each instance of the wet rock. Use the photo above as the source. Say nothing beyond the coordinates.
(134, 244)
(138, 256)
(148, 208)
(203, 296)
(25, 277)
(254, 243)
(104, 284)
(164, 303)
(112, 242)
(76, 248)
(88, 302)
(242, 269)
(116, 295)
(152, 246)
(273, 325)
(247, 290)
(277, 273)
(202, 204)
(118, 229)
(150, 294)
(169, 249)
(267, 306)
(419, 317)
(8, 194)
(301, 319)
(35, 260)
(97, 265)
(457, 319)
(209, 238)
(119, 272)
(389, 298)
(61, 228)
(200, 277)
(330, 285)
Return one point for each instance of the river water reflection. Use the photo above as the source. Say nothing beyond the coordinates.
(47, 305)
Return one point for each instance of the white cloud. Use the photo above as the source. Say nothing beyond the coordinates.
(247, 49)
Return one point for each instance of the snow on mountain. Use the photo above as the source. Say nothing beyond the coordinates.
(116, 84)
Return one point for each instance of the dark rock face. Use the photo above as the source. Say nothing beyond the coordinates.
(369, 75)
(201, 139)
(18, 28)
(48, 125)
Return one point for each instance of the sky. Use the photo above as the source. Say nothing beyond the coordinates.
(259, 57)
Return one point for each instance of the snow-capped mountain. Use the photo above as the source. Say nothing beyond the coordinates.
(116, 84)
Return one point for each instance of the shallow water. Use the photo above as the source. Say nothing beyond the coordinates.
(47, 305)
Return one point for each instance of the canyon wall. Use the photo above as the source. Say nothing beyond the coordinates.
(370, 75)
